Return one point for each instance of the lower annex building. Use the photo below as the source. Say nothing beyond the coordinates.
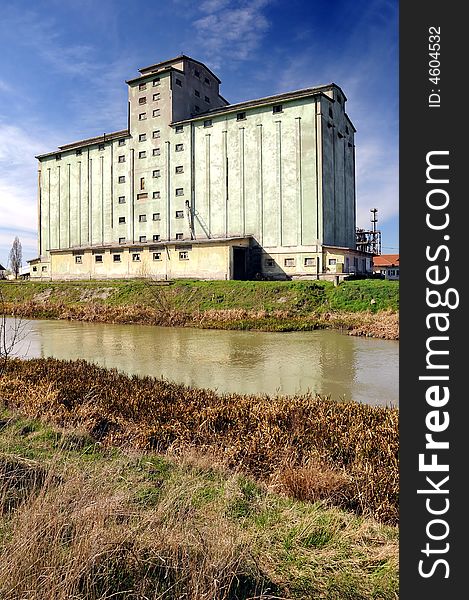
(196, 187)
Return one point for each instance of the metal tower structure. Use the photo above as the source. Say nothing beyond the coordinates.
(369, 240)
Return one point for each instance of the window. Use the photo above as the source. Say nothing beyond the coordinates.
(43, 269)
(101, 147)
(196, 108)
(121, 219)
(121, 179)
(58, 157)
(208, 123)
(78, 259)
(156, 195)
(269, 262)
(142, 116)
(179, 191)
(331, 114)
(309, 262)
(179, 147)
(179, 214)
(121, 158)
(98, 258)
(142, 154)
(122, 240)
(142, 196)
(289, 262)
(156, 112)
(207, 81)
(347, 131)
(136, 257)
(184, 255)
(179, 236)
(197, 93)
(34, 269)
(142, 238)
(156, 255)
(156, 151)
(142, 183)
(156, 216)
(179, 128)
(156, 238)
(78, 152)
(156, 133)
(142, 100)
(142, 86)
(142, 218)
(332, 261)
(156, 173)
(179, 82)
(156, 81)
(197, 73)
(142, 137)
(240, 116)
(121, 142)
(277, 108)
(121, 200)
(207, 99)
(156, 96)
(179, 169)
(117, 257)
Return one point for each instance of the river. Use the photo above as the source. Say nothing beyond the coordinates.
(326, 362)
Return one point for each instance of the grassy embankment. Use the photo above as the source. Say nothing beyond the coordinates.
(363, 307)
(118, 487)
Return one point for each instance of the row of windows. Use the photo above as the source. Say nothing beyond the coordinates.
(155, 195)
(184, 255)
(291, 262)
(43, 268)
(155, 238)
(143, 99)
(156, 113)
(156, 217)
(155, 173)
(143, 86)
(197, 94)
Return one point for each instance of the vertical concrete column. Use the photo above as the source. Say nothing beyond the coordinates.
(39, 213)
(48, 211)
(90, 200)
(101, 168)
(69, 219)
(132, 195)
(260, 182)
(242, 184)
(278, 145)
(225, 176)
(168, 193)
(79, 203)
(59, 199)
(299, 183)
(319, 183)
(208, 182)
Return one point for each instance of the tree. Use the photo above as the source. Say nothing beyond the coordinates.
(16, 256)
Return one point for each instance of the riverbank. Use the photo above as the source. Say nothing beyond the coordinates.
(83, 520)
(362, 307)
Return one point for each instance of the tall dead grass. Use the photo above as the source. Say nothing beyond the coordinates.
(309, 446)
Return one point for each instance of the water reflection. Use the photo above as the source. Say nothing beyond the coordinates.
(326, 362)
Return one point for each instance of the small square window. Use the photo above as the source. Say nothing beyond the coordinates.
(179, 147)
(34, 269)
(142, 116)
(142, 183)
(179, 214)
(58, 157)
(347, 131)
(289, 262)
(240, 116)
(142, 218)
(121, 219)
(156, 96)
(78, 260)
(142, 196)
(208, 123)
(121, 142)
(156, 238)
(156, 151)
(179, 82)
(277, 108)
(156, 112)
(179, 191)
(101, 147)
(331, 114)
(156, 81)
(43, 269)
(179, 128)
(142, 137)
(121, 158)
(156, 216)
(156, 133)
(142, 100)
(121, 179)
(117, 257)
(142, 154)
(157, 173)
(156, 255)
(309, 262)
(156, 195)
(207, 81)
(196, 108)
(179, 236)
(78, 152)
(269, 262)
(332, 261)
(207, 99)
(184, 255)
(135, 257)
(197, 93)
(142, 86)
(121, 200)
(142, 238)
(122, 240)
(196, 73)
(179, 169)
(98, 258)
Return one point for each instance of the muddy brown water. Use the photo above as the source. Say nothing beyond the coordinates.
(326, 362)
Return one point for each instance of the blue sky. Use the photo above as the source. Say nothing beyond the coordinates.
(63, 64)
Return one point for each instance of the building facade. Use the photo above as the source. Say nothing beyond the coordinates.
(386, 265)
(197, 187)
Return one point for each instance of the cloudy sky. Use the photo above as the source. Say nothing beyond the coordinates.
(63, 64)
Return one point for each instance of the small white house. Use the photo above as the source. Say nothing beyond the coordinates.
(2, 271)
(387, 265)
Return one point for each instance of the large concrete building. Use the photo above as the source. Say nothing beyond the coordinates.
(197, 187)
